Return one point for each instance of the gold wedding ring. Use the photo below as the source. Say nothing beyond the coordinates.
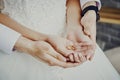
(71, 47)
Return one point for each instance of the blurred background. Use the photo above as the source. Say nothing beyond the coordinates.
(108, 31)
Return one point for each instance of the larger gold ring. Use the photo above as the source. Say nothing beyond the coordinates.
(71, 47)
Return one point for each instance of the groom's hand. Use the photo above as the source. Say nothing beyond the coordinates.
(88, 21)
(42, 50)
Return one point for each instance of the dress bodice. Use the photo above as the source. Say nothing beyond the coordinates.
(46, 16)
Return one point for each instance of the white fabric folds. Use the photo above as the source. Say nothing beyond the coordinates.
(8, 37)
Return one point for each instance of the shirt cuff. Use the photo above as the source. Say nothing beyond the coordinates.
(8, 38)
(82, 2)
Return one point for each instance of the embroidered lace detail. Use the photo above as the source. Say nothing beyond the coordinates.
(46, 16)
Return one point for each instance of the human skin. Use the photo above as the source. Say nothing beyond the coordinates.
(88, 21)
(81, 30)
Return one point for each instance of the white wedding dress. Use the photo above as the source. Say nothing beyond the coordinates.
(48, 16)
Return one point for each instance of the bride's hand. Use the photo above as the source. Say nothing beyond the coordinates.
(86, 46)
(42, 51)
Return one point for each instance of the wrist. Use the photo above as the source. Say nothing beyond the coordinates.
(23, 44)
(39, 36)
(49, 37)
(89, 19)
(91, 6)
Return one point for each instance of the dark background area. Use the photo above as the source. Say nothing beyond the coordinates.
(108, 35)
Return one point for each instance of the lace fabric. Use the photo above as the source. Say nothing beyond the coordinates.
(40, 15)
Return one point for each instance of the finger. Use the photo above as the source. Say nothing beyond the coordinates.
(71, 57)
(76, 57)
(71, 47)
(88, 56)
(60, 57)
(85, 43)
(66, 52)
(69, 64)
(92, 47)
(68, 59)
(67, 49)
(55, 62)
(50, 60)
(92, 56)
(93, 38)
(83, 46)
(86, 31)
(91, 53)
(55, 54)
(79, 48)
(82, 58)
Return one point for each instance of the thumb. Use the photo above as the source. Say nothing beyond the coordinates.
(87, 32)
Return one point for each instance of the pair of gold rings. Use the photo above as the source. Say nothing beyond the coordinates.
(71, 47)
